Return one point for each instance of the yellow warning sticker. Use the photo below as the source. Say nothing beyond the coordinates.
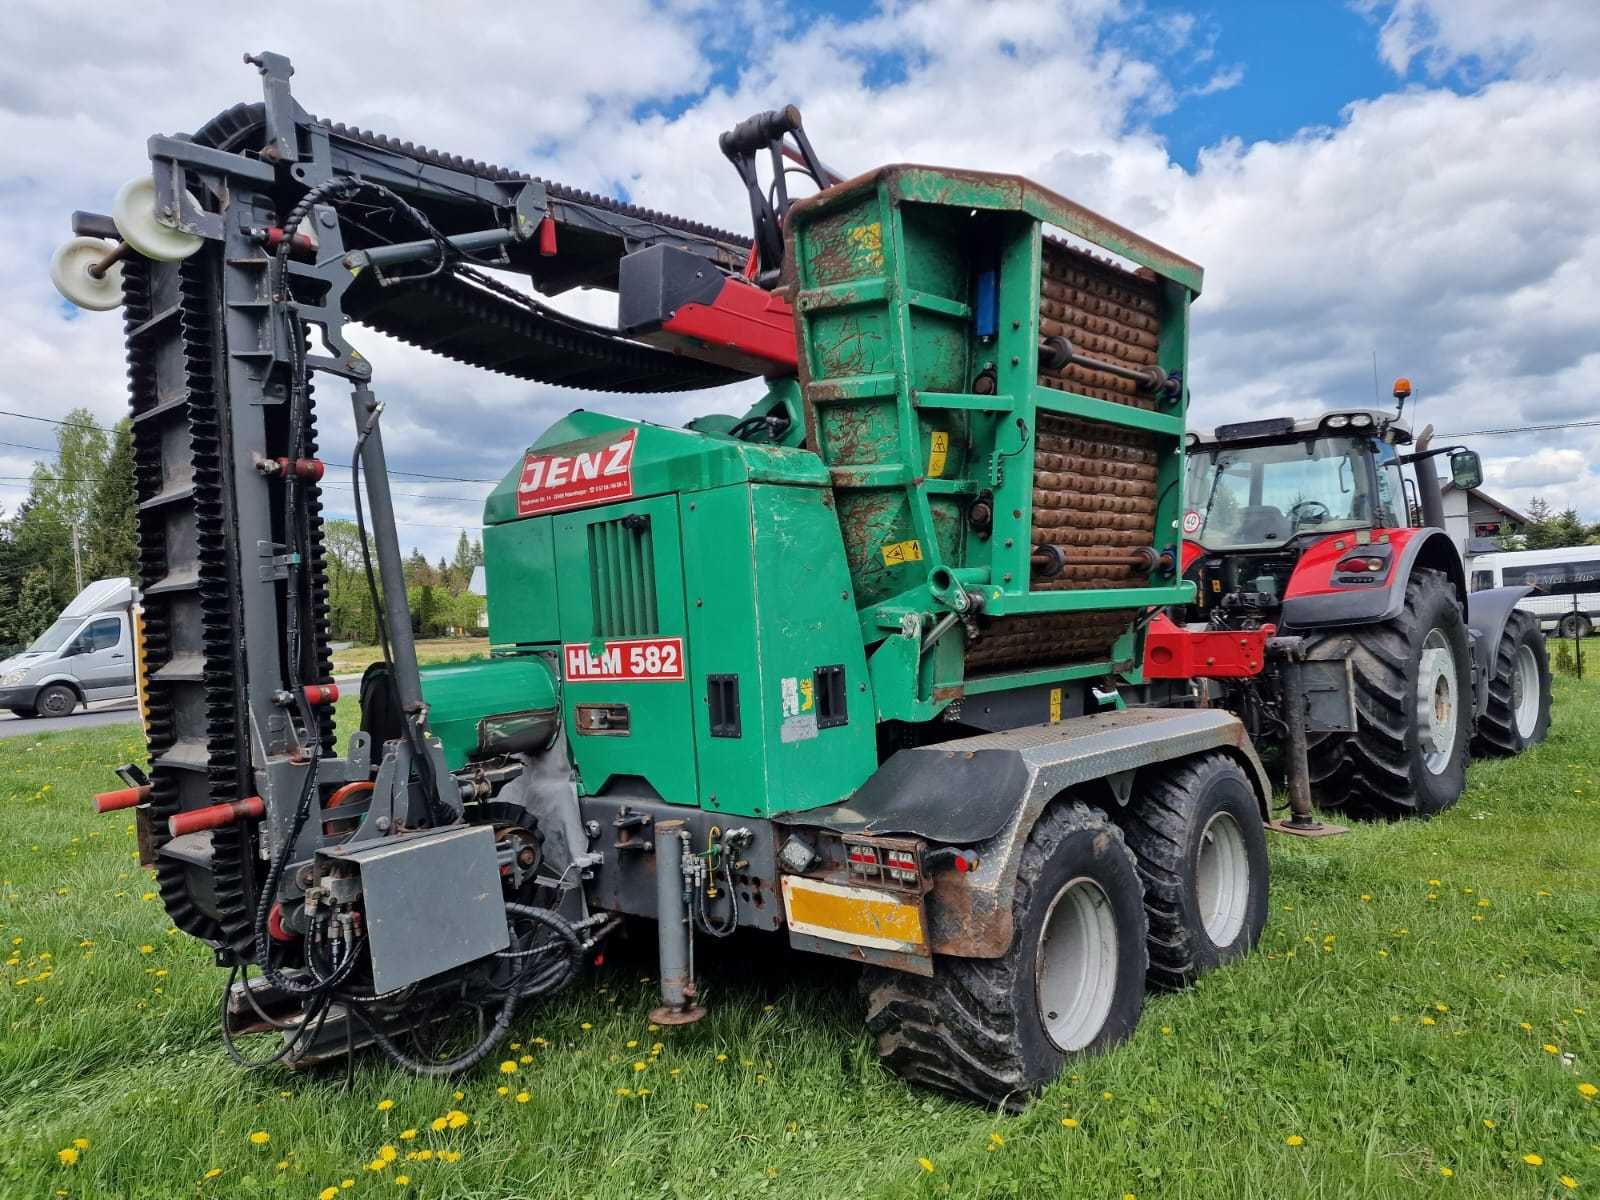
(936, 454)
(897, 553)
(1055, 705)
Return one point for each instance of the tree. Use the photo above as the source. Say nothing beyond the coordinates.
(468, 555)
(1549, 530)
(111, 542)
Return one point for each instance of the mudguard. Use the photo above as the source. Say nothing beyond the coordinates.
(986, 792)
(1316, 599)
(1487, 614)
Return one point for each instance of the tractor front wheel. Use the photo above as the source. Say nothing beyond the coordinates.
(1518, 715)
(1413, 691)
(1071, 983)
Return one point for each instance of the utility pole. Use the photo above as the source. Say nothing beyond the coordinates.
(77, 557)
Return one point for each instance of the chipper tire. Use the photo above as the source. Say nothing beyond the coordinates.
(1518, 715)
(1071, 983)
(1413, 691)
(1196, 830)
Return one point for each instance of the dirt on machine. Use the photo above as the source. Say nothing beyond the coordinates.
(869, 668)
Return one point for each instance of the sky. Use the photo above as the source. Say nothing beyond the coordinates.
(1411, 181)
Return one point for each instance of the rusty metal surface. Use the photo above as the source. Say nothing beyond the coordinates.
(1105, 311)
(1094, 500)
(969, 914)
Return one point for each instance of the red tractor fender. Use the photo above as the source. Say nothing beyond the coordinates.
(1327, 590)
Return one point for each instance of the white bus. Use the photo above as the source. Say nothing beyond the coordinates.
(1568, 580)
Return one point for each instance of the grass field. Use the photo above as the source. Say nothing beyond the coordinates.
(429, 650)
(1420, 1020)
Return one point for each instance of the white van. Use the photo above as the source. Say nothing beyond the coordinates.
(1568, 580)
(86, 654)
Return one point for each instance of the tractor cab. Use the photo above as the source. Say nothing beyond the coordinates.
(1277, 506)
(1267, 484)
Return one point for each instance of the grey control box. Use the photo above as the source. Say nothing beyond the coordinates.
(433, 901)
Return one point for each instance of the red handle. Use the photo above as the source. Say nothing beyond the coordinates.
(321, 693)
(251, 808)
(123, 798)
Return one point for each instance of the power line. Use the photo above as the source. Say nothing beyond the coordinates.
(6, 412)
(1514, 429)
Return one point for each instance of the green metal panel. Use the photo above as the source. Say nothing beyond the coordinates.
(519, 570)
(664, 461)
(611, 590)
(459, 695)
(769, 602)
(890, 362)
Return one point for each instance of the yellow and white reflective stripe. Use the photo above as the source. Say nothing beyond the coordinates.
(860, 916)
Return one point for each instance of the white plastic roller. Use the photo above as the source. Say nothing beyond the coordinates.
(134, 212)
(73, 268)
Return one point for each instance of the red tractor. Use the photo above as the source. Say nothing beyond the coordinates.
(1331, 530)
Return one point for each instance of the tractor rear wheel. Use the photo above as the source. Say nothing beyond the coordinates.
(1518, 715)
(1197, 834)
(1413, 690)
(1071, 983)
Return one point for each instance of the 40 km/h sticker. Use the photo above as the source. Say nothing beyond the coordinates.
(636, 660)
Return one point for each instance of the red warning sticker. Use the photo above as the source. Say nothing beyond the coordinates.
(556, 482)
(627, 660)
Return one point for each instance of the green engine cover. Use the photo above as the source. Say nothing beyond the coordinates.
(490, 707)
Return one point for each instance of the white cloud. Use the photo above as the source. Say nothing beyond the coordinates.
(1458, 235)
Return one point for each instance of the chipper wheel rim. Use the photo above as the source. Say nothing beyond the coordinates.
(1527, 685)
(1438, 702)
(1075, 971)
(1222, 879)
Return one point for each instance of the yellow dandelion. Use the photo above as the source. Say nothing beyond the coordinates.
(1487, 1123)
(1366, 897)
(212, 1174)
(525, 1059)
(260, 1137)
(722, 1058)
(385, 1105)
(327, 1193)
(699, 1107)
(926, 1164)
(1442, 1007)
(1429, 1021)
(377, 1164)
(996, 1140)
(407, 1135)
(402, 1180)
(147, 949)
(508, 1067)
(523, 1097)
(81, 1143)
(1588, 1091)
(283, 1164)
(1435, 883)
(1294, 1139)
(586, 1026)
(456, 1118)
(68, 1157)
(633, 1044)
(459, 1095)
(1533, 1160)
(502, 1090)
(347, 1183)
(388, 1153)
(1568, 1182)
(437, 1124)
(1166, 1031)
(450, 1156)
(1070, 1122)
(1108, 1095)
(1525, 1027)
(424, 1155)
(1551, 1048)
(1446, 1172)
